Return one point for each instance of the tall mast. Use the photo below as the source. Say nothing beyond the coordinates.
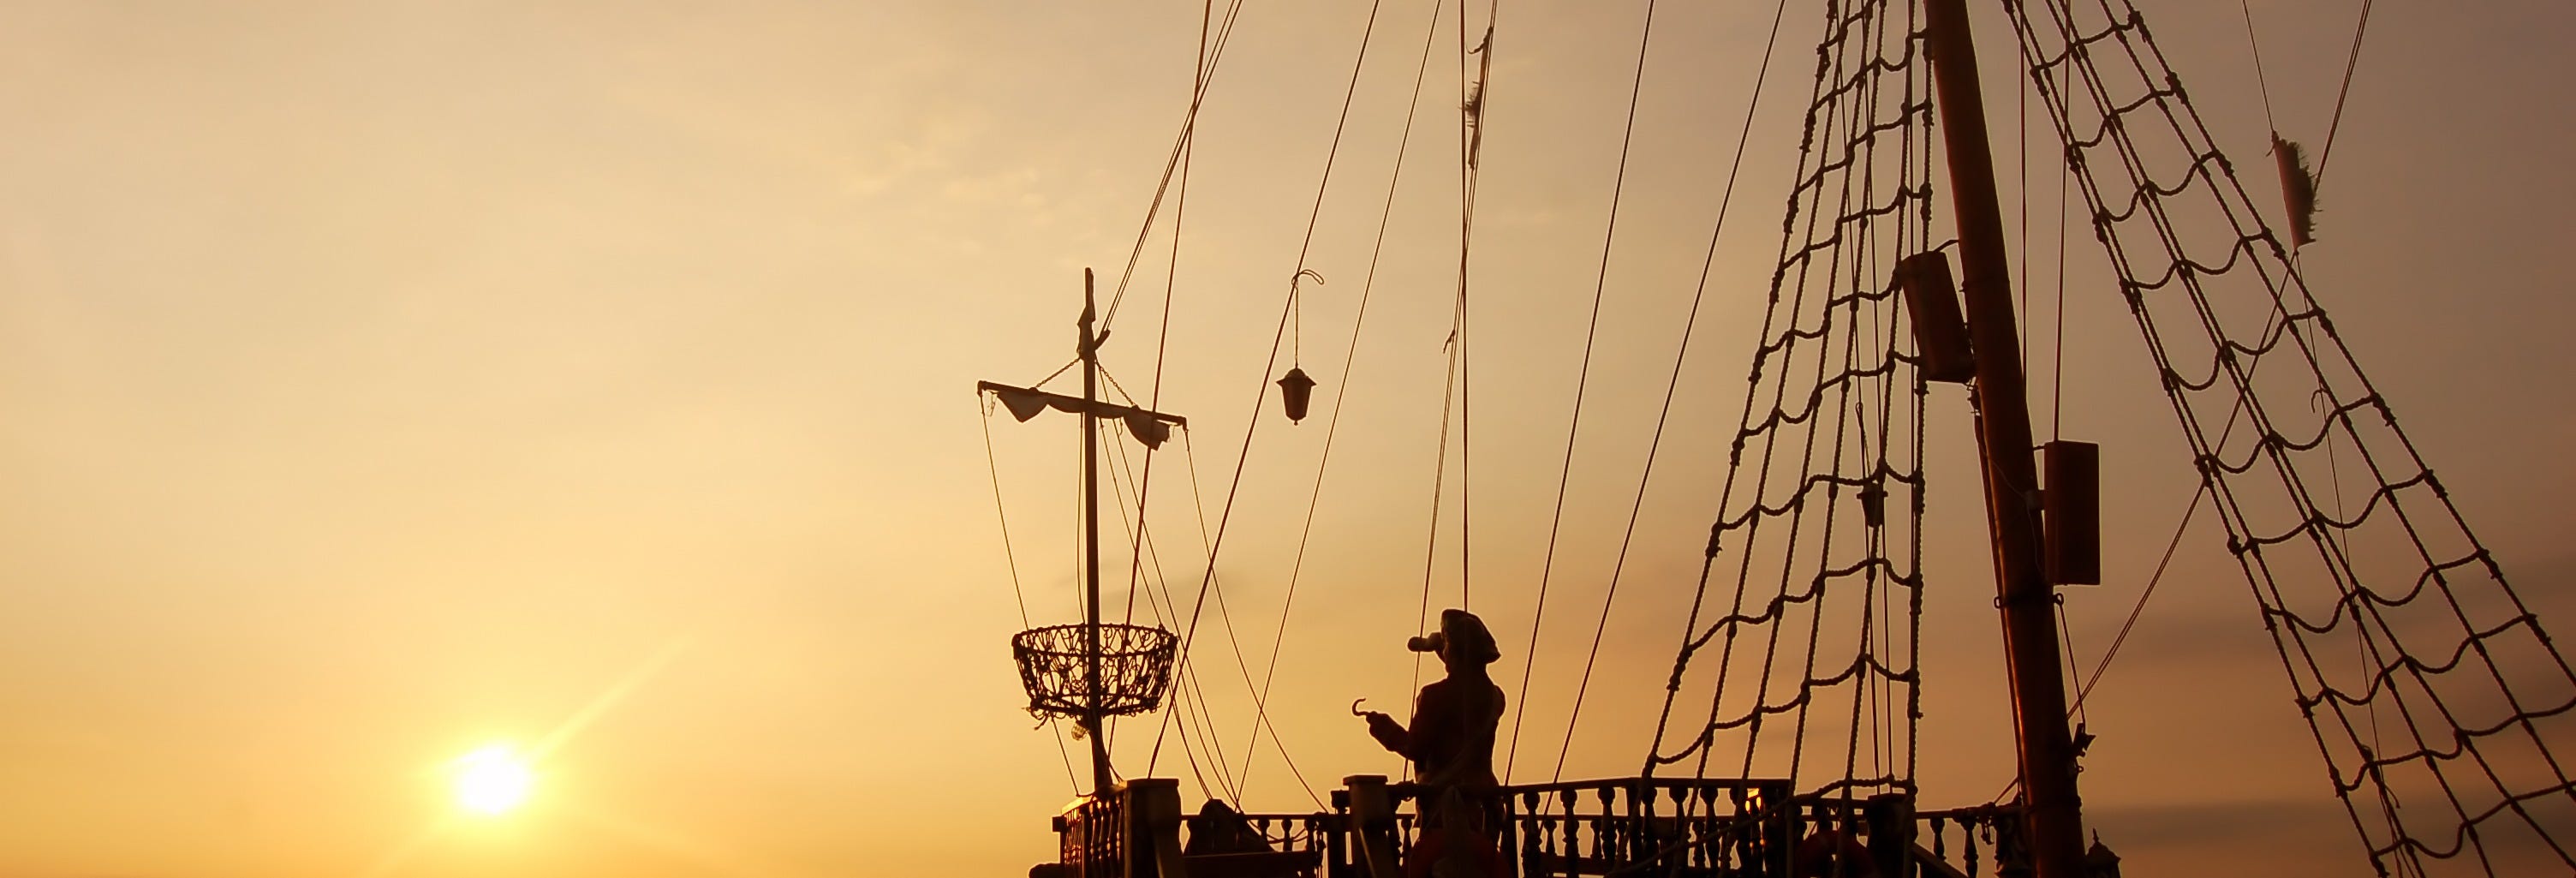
(2052, 811)
(1090, 350)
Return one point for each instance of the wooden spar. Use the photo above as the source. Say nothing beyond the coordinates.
(1090, 350)
(2053, 813)
(1038, 400)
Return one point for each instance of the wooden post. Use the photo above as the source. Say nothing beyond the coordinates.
(1372, 825)
(1338, 836)
(2052, 810)
(1891, 833)
(1153, 808)
(1782, 826)
(1090, 350)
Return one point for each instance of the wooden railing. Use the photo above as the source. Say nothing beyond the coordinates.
(1707, 828)
(1971, 842)
(1648, 825)
(1299, 846)
(1091, 838)
(1295, 832)
(1583, 828)
(1131, 832)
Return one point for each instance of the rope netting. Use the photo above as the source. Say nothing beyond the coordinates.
(1802, 639)
(2429, 686)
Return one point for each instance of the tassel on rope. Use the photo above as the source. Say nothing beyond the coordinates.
(1474, 107)
(2298, 190)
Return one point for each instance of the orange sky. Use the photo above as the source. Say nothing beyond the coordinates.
(380, 380)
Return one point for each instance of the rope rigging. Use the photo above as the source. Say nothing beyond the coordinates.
(2446, 643)
(1672, 387)
(1232, 783)
(1171, 281)
(1213, 37)
(1190, 701)
(1295, 323)
(1449, 391)
(1574, 421)
(1473, 96)
(1010, 559)
(1211, 51)
(2300, 180)
(2394, 623)
(2352, 60)
(1287, 317)
(1810, 466)
(1333, 419)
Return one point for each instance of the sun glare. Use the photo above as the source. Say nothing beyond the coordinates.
(493, 780)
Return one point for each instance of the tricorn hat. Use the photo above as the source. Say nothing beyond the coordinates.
(1462, 636)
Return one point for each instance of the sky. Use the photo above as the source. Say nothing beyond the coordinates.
(384, 380)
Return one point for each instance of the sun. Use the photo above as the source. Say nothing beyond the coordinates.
(493, 780)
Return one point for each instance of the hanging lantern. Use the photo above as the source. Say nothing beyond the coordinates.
(1296, 390)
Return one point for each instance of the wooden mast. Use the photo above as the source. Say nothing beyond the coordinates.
(1143, 656)
(2053, 813)
(1090, 351)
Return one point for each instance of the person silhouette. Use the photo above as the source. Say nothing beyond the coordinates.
(1451, 745)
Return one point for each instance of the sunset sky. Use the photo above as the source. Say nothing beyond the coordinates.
(384, 381)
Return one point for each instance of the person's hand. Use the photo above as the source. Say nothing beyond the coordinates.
(1381, 725)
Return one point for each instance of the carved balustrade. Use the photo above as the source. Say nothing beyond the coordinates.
(1091, 838)
(1708, 828)
(1971, 842)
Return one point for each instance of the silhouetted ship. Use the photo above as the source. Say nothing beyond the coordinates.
(2425, 680)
